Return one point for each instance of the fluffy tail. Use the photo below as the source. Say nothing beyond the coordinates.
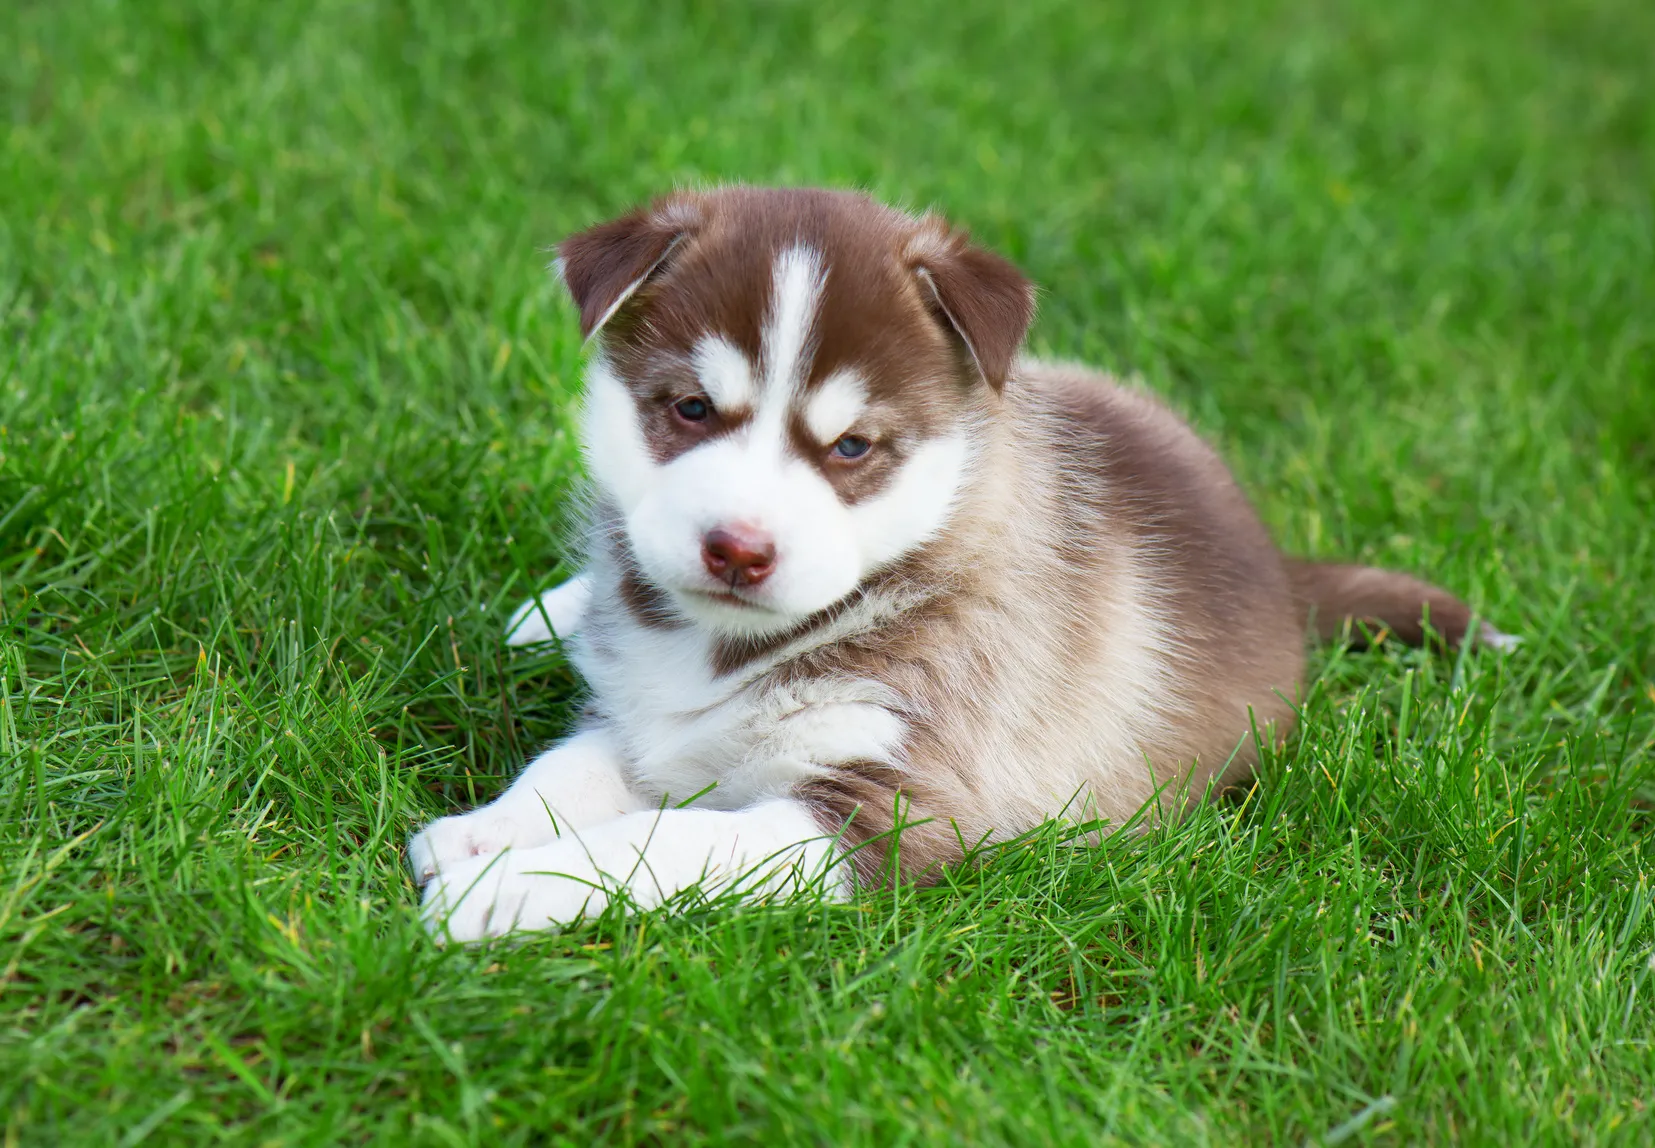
(1336, 596)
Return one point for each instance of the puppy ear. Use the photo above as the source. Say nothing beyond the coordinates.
(605, 265)
(984, 298)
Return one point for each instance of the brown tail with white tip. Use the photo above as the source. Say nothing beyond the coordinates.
(1335, 596)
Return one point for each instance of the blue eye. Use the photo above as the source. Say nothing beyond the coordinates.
(693, 409)
(850, 446)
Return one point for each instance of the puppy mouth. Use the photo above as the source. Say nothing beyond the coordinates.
(728, 598)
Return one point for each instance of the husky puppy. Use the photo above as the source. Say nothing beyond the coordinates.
(864, 588)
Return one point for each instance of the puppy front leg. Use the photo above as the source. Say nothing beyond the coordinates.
(558, 613)
(574, 785)
(775, 847)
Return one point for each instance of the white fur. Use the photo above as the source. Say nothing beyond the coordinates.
(558, 613)
(574, 785)
(798, 278)
(1498, 640)
(747, 478)
(914, 507)
(612, 443)
(687, 731)
(771, 849)
(725, 374)
(835, 406)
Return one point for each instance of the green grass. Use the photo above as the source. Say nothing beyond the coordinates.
(284, 431)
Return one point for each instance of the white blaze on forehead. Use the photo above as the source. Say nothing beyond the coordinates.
(797, 289)
(834, 407)
(724, 372)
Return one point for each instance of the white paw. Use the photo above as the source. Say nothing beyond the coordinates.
(452, 841)
(558, 613)
(1497, 639)
(532, 889)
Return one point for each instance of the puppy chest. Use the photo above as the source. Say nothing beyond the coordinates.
(687, 731)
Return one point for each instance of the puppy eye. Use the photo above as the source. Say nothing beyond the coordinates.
(694, 409)
(851, 446)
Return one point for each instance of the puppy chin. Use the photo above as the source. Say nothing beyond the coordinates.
(755, 613)
(748, 619)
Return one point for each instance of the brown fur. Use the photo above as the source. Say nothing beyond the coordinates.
(1340, 599)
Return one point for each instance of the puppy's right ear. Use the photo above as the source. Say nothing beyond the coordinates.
(982, 297)
(605, 265)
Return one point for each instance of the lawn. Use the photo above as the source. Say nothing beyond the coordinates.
(285, 432)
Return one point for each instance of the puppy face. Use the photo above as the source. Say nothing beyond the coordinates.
(786, 390)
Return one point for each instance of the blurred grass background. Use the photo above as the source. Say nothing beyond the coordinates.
(285, 394)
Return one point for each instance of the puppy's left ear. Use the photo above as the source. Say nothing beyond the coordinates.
(605, 265)
(984, 298)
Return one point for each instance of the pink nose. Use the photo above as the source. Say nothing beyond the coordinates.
(738, 555)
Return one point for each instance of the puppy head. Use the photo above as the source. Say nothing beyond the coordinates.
(785, 392)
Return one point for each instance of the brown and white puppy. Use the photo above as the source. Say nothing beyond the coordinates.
(853, 563)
